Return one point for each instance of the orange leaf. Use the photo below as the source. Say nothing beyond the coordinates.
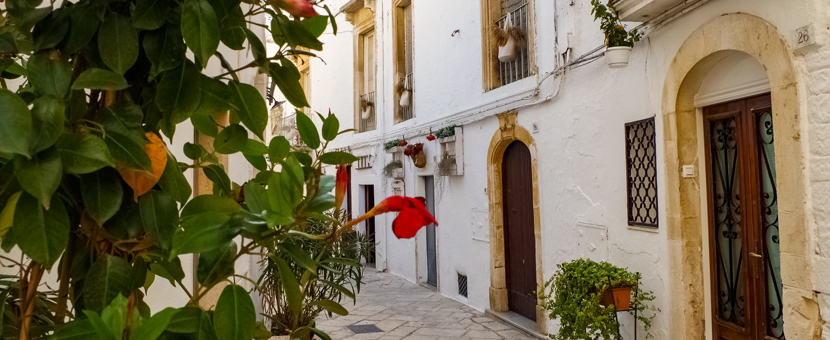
(142, 180)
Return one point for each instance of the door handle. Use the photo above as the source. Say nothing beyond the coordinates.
(756, 255)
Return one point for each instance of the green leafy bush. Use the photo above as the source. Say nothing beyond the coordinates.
(573, 296)
(89, 189)
(446, 131)
(612, 27)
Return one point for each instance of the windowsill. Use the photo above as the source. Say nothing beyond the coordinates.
(653, 230)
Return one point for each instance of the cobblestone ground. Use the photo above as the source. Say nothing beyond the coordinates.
(404, 310)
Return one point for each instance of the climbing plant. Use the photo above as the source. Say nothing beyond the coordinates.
(89, 190)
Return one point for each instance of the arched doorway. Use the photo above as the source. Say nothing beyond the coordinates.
(519, 238)
(688, 223)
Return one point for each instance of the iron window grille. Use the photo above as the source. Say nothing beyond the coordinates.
(406, 111)
(369, 123)
(462, 285)
(641, 171)
(518, 68)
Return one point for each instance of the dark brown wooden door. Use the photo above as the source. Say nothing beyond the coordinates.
(519, 238)
(369, 203)
(743, 221)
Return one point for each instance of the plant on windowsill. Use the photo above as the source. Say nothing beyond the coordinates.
(618, 40)
(446, 166)
(444, 134)
(394, 146)
(392, 169)
(575, 295)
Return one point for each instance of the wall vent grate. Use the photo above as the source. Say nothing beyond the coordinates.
(462, 285)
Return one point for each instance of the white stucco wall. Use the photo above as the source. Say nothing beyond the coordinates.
(578, 118)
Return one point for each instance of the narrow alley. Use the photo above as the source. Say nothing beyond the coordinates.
(400, 309)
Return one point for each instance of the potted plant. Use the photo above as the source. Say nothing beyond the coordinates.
(446, 134)
(393, 170)
(575, 293)
(447, 166)
(416, 153)
(618, 40)
(395, 145)
(337, 276)
(509, 38)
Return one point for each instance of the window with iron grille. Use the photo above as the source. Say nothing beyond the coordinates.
(496, 14)
(641, 170)
(462, 285)
(404, 79)
(519, 67)
(366, 110)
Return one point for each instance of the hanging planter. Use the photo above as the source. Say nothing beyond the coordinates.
(620, 297)
(509, 39)
(416, 153)
(617, 56)
(366, 109)
(393, 170)
(406, 98)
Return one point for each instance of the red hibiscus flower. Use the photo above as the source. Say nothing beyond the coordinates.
(413, 215)
(299, 8)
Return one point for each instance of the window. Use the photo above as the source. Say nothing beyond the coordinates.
(366, 100)
(404, 80)
(495, 13)
(641, 170)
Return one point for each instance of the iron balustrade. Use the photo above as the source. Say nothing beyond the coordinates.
(518, 68)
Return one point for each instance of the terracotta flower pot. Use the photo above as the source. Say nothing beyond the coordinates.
(620, 297)
(420, 159)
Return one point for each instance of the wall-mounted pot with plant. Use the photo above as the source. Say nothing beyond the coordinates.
(575, 293)
(393, 169)
(416, 153)
(509, 38)
(618, 40)
(395, 145)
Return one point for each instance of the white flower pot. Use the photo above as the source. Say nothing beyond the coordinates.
(406, 98)
(617, 56)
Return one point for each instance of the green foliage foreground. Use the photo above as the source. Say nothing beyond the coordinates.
(89, 190)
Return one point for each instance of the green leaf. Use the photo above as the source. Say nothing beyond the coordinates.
(186, 320)
(7, 216)
(206, 331)
(254, 147)
(330, 127)
(100, 79)
(308, 132)
(102, 194)
(216, 265)
(48, 117)
(82, 153)
(331, 306)
(49, 74)
(101, 328)
(216, 98)
(292, 167)
(231, 139)
(170, 270)
(46, 231)
(40, 175)
(83, 23)
(149, 14)
(49, 32)
(250, 107)
(235, 317)
(202, 233)
(278, 149)
(200, 28)
(177, 95)
(152, 328)
(115, 315)
(174, 182)
(315, 25)
(293, 295)
(299, 255)
(256, 198)
(338, 157)
(321, 203)
(79, 329)
(108, 277)
(16, 129)
(221, 182)
(159, 214)
(287, 78)
(339, 288)
(256, 45)
(118, 43)
(165, 48)
(128, 150)
(210, 203)
(232, 29)
(332, 19)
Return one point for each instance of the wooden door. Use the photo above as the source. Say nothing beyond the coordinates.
(432, 246)
(519, 235)
(369, 203)
(743, 221)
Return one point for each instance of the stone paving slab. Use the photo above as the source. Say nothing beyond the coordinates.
(404, 310)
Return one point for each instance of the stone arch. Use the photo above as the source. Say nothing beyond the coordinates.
(509, 132)
(702, 50)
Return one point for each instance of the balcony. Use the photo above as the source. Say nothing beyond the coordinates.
(518, 68)
(407, 112)
(646, 10)
(367, 114)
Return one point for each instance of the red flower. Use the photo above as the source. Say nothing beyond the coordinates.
(413, 215)
(341, 186)
(430, 138)
(299, 8)
(403, 143)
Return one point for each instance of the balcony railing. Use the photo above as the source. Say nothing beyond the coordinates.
(407, 112)
(519, 67)
(367, 102)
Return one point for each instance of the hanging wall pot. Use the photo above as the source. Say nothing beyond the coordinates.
(366, 109)
(406, 98)
(617, 56)
(416, 153)
(507, 50)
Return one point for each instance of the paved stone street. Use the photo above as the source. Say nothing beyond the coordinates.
(404, 310)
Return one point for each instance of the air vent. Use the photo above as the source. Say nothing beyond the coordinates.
(462, 285)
